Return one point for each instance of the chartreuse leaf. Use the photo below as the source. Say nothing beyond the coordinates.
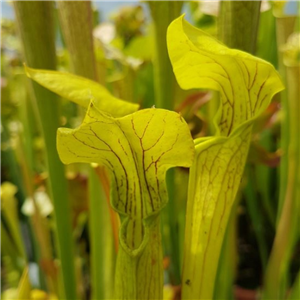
(24, 287)
(81, 90)
(136, 150)
(246, 85)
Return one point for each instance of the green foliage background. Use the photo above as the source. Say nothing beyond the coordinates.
(59, 236)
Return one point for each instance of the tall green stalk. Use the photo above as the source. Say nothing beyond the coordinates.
(276, 280)
(228, 259)
(35, 22)
(24, 153)
(265, 185)
(200, 61)
(239, 24)
(238, 27)
(77, 26)
(79, 42)
(284, 28)
(102, 268)
(163, 13)
(287, 234)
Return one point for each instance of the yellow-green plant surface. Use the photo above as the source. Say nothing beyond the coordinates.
(81, 91)
(136, 150)
(246, 85)
(110, 202)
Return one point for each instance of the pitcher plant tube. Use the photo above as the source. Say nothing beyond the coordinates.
(246, 85)
(136, 150)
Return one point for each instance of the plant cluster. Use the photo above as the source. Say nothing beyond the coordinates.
(182, 174)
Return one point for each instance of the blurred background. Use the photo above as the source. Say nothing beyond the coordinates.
(59, 236)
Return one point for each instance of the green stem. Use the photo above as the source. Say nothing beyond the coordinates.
(288, 212)
(79, 41)
(170, 218)
(203, 247)
(77, 27)
(239, 24)
(284, 28)
(35, 22)
(287, 233)
(163, 13)
(238, 28)
(228, 262)
(101, 241)
(140, 276)
(266, 40)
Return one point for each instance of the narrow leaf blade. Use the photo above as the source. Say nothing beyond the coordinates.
(81, 91)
